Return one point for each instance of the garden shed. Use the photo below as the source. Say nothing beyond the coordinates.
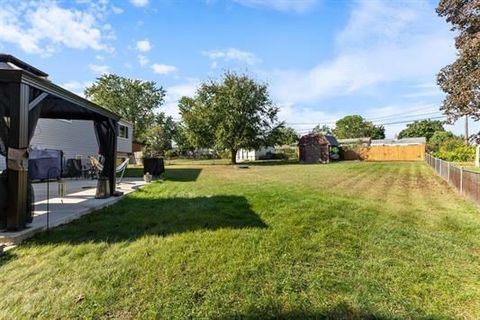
(316, 147)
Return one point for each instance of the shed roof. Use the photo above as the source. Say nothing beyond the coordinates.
(332, 140)
(318, 138)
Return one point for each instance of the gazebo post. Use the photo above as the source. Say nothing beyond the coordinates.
(17, 158)
(113, 174)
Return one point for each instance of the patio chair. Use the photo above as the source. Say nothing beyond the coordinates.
(98, 167)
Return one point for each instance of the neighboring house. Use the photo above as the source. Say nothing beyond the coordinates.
(252, 155)
(76, 138)
(353, 142)
(399, 142)
(137, 149)
(316, 147)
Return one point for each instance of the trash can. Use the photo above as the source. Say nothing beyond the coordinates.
(154, 166)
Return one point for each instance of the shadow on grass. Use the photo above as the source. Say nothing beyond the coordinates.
(134, 173)
(182, 174)
(176, 174)
(339, 311)
(6, 257)
(136, 217)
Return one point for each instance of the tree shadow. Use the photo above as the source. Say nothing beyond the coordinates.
(176, 174)
(340, 311)
(182, 174)
(135, 217)
(5, 257)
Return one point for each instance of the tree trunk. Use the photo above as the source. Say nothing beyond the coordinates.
(233, 156)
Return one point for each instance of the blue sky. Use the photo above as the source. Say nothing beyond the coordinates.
(322, 59)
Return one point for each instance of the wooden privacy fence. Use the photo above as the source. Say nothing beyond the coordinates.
(396, 152)
(466, 182)
(414, 152)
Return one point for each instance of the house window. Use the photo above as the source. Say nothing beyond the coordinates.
(123, 131)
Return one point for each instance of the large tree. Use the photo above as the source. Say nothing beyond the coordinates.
(423, 128)
(323, 129)
(461, 79)
(283, 136)
(159, 137)
(356, 126)
(235, 112)
(134, 100)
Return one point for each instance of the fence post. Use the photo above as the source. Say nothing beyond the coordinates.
(461, 180)
(441, 165)
(448, 172)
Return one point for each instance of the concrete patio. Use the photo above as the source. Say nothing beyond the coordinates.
(79, 200)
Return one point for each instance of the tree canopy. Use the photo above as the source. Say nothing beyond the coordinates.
(283, 136)
(133, 100)
(160, 135)
(233, 113)
(423, 128)
(461, 79)
(356, 126)
(323, 129)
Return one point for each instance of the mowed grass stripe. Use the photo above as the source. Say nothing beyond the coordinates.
(344, 240)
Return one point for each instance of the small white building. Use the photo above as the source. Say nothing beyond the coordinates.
(76, 138)
(252, 155)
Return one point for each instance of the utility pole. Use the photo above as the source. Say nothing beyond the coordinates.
(466, 129)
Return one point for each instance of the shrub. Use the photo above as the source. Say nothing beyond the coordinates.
(440, 138)
(171, 154)
(273, 156)
(463, 153)
(224, 154)
(290, 152)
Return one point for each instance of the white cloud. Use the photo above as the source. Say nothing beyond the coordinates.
(99, 69)
(41, 27)
(163, 69)
(139, 3)
(383, 42)
(280, 5)
(117, 10)
(143, 60)
(174, 93)
(143, 45)
(76, 87)
(231, 54)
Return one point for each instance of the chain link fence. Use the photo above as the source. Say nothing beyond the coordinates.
(466, 182)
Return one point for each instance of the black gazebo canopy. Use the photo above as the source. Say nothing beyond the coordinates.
(25, 96)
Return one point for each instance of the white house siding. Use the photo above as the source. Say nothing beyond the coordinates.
(252, 155)
(124, 146)
(76, 138)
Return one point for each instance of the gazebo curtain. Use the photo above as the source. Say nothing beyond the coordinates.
(33, 116)
(4, 128)
(20, 163)
(106, 132)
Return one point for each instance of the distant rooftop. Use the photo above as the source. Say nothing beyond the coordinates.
(8, 61)
(419, 140)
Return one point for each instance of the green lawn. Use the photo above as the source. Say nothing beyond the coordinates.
(345, 240)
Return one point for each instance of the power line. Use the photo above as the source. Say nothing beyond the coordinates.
(392, 123)
(428, 115)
